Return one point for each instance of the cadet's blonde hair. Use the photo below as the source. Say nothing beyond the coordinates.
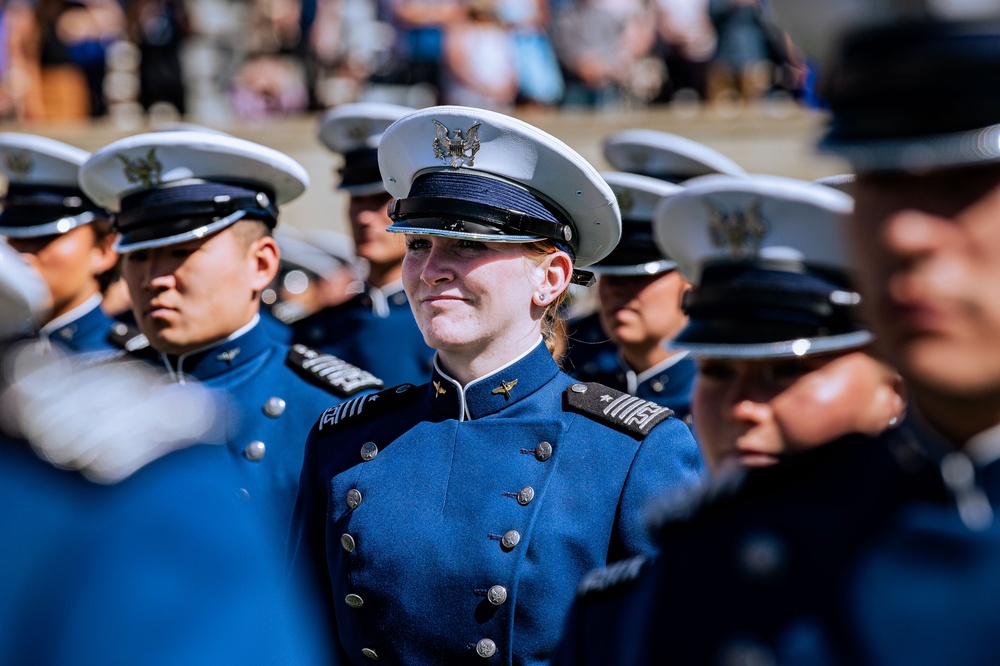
(553, 322)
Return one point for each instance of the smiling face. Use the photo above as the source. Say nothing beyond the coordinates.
(189, 295)
(473, 299)
(755, 412)
(70, 264)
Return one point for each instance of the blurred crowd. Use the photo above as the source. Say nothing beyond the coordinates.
(73, 59)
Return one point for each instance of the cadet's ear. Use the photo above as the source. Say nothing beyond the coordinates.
(557, 270)
(102, 257)
(264, 252)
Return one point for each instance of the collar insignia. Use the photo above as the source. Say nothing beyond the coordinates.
(740, 231)
(19, 164)
(228, 355)
(504, 389)
(458, 149)
(145, 171)
(438, 389)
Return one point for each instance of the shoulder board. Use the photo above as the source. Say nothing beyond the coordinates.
(367, 407)
(631, 415)
(331, 373)
(127, 337)
(611, 576)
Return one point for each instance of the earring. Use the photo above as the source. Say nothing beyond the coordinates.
(541, 298)
(893, 421)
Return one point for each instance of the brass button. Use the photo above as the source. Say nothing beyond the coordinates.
(525, 496)
(510, 539)
(497, 595)
(353, 498)
(543, 451)
(347, 541)
(274, 407)
(370, 653)
(486, 648)
(254, 451)
(354, 601)
(369, 451)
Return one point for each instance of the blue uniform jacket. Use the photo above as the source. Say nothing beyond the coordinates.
(854, 553)
(166, 567)
(594, 358)
(89, 332)
(373, 331)
(447, 522)
(272, 408)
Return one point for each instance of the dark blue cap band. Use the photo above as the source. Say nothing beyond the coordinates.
(360, 168)
(26, 206)
(485, 190)
(171, 211)
(764, 301)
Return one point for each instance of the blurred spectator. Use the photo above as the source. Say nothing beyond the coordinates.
(20, 77)
(420, 35)
(158, 28)
(267, 85)
(749, 49)
(602, 45)
(687, 42)
(539, 76)
(479, 66)
(75, 35)
(347, 44)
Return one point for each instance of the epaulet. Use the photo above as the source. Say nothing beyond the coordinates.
(611, 576)
(367, 407)
(127, 337)
(331, 373)
(631, 415)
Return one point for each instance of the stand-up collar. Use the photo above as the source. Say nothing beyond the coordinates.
(66, 326)
(492, 393)
(239, 348)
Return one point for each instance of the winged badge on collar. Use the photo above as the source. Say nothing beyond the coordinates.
(455, 148)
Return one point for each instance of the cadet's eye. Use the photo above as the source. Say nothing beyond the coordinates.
(138, 255)
(716, 371)
(790, 370)
(181, 252)
(413, 244)
(467, 244)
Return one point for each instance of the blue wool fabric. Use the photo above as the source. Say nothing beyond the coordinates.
(458, 472)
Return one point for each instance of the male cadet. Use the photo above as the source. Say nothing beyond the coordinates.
(639, 291)
(194, 214)
(639, 306)
(866, 550)
(125, 544)
(376, 329)
(63, 234)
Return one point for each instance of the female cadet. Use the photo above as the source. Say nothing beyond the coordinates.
(782, 364)
(455, 518)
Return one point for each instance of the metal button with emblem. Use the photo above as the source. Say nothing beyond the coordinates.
(370, 653)
(347, 541)
(526, 495)
(496, 595)
(659, 384)
(354, 601)
(368, 451)
(486, 648)
(274, 407)
(510, 539)
(578, 388)
(254, 451)
(543, 451)
(353, 498)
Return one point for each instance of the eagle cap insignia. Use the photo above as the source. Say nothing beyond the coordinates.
(145, 171)
(739, 231)
(359, 130)
(19, 164)
(455, 147)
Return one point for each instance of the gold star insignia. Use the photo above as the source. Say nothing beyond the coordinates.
(438, 389)
(504, 389)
